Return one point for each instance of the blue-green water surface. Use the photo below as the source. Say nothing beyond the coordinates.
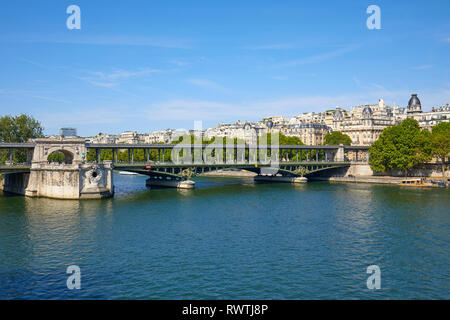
(229, 239)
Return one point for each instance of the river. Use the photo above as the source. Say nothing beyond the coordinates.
(229, 239)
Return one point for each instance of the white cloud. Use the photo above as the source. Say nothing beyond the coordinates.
(279, 78)
(320, 57)
(31, 94)
(422, 67)
(114, 78)
(190, 110)
(204, 83)
(179, 62)
(123, 74)
(276, 46)
(101, 40)
(82, 118)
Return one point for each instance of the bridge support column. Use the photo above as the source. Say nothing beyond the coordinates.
(74, 180)
(340, 155)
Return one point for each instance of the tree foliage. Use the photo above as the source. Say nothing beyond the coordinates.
(57, 156)
(401, 147)
(440, 143)
(336, 138)
(18, 129)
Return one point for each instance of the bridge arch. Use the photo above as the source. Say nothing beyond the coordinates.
(69, 153)
(61, 156)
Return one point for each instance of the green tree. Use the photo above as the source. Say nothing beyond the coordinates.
(401, 147)
(336, 138)
(18, 129)
(440, 143)
(283, 140)
(57, 156)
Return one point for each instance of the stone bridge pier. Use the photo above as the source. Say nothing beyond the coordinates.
(73, 179)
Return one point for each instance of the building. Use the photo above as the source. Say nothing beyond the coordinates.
(434, 117)
(310, 133)
(103, 138)
(364, 124)
(244, 131)
(68, 132)
(164, 136)
(128, 137)
(427, 119)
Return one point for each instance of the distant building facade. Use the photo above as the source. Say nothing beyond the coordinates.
(68, 132)
(427, 119)
(363, 124)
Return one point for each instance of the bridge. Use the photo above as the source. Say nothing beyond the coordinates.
(80, 177)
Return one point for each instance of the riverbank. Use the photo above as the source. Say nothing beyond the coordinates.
(372, 179)
(362, 179)
(353, 179)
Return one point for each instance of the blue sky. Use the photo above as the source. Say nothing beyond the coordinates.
(148, 65)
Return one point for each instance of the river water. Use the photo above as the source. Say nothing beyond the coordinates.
(229, 239)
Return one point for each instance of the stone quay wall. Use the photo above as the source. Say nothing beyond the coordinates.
(361, 169)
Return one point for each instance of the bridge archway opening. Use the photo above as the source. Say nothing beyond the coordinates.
(61, 156)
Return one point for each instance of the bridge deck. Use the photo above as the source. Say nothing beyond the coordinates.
(30, 145)
(154, 165)
(177, 167)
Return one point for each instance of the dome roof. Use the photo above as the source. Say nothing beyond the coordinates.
(269, 124)
(367, 111)
(414, 104)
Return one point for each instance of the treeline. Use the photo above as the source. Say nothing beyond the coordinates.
(405, 146)
(336, 138)
(18, 129)
(139, 155)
